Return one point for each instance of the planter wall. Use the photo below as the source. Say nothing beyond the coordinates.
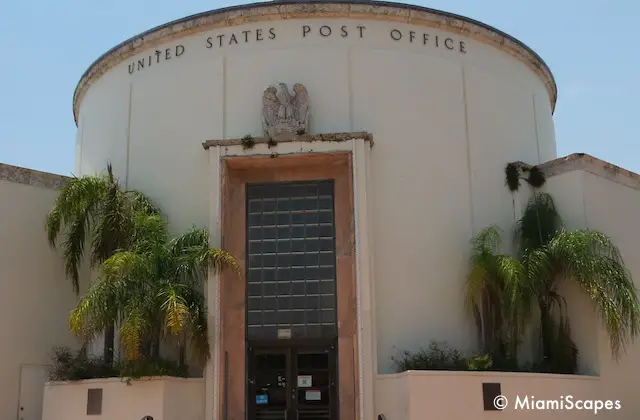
(441, 395)
(163, 398)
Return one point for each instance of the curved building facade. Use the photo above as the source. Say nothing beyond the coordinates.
(405, 119)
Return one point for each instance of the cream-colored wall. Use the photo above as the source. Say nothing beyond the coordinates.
(444, 125)
(159, 397)
(184, 399)
(588, 200)
(35, 296)
(567, 190)
(613, 209)
(458, 396)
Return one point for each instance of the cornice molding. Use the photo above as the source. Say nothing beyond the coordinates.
(290, 138)
(590, 164)
(28, 176)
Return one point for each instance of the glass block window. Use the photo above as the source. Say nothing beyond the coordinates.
(291, 261)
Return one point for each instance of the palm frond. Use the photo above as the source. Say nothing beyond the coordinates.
(74, 251)
(126, 265)
(517, 288)
(198, 326)
(74, 211)
(150, 232)
(94, 310)
(141, 203)
(175, 308)
(539, 223)
(53, 225)
(488, 240)
(484, 264)
(475, 286)
(132, 331)
(191, 239)
(113, 228)
(592, 260)
(484, 294)
(219, 259)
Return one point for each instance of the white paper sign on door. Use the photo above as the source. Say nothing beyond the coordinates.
(313, 395)
(304, 381)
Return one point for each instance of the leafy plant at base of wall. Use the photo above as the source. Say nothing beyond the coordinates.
(70, 366)
(480, 362)
(136, 369)
(248, 142)
(271, 143)
(438, 356)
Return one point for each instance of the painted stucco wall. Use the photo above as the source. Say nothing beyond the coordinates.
(162, 398)
(458, 396)
(444, 124)
(586, 200)
(35, 298)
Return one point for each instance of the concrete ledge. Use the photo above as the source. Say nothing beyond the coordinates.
(291, 138)
(460, 395)
(28, 176)
(588, 163)
(115, 399)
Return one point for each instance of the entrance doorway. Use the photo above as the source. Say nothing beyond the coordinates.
(291, 220)
(292, 383)
(291, 301)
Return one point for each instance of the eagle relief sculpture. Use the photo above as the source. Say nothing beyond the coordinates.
(284, 113)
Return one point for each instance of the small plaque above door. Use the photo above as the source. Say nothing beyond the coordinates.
(304, 381)
(284, 333)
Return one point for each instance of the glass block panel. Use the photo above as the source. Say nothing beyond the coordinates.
(291, 260)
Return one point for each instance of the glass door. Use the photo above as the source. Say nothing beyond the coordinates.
(292, 383)
(315, 386)
(269, 387)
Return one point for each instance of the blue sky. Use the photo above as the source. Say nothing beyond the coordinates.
(591, 47)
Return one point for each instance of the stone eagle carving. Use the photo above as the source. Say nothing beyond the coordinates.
(283, 112)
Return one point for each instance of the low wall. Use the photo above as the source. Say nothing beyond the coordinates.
(163, 398)
(443, 395)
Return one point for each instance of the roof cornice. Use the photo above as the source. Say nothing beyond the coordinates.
(32, 177)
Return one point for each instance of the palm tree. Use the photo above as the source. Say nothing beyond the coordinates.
(155, 287)
(548, 254)
(98, 209)
(487, 296)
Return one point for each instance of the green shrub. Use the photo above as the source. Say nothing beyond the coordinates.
(480, 362)
(157, 367)
(439, 356)
(69, 366)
